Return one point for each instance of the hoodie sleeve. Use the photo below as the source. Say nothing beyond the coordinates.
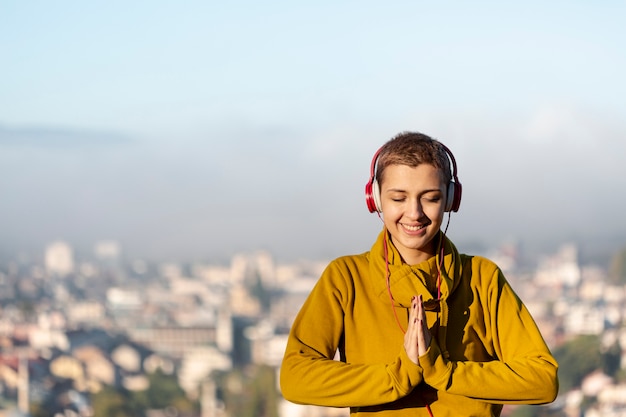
(308, 373)
(523, 370)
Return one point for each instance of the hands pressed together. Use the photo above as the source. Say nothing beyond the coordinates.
(417, 337)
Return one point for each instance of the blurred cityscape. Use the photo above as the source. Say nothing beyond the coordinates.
(99, 334)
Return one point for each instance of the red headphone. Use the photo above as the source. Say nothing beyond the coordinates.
(372, 189)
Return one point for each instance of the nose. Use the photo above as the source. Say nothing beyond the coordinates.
(415, 209)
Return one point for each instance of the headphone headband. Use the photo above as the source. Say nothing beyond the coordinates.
(372, 189)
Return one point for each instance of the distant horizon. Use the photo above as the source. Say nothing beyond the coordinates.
(591, 251)
(186, 200)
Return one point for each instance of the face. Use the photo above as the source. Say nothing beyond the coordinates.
(413, 202)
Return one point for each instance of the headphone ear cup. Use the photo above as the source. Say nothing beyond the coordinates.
(372, 192)
(369, 199)
(449, 196)
(372, 196)
(376, 196)
(453, 199)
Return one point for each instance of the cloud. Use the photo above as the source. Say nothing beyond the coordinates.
(300, 193)
(49, 137)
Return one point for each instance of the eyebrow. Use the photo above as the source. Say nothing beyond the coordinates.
(400, 190)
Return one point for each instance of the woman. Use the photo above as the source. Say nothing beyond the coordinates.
(420, 328)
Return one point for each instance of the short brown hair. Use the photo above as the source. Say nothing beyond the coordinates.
(413, 149)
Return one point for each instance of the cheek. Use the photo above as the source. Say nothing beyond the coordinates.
(435, 212)
(389, 219)
(391, 212)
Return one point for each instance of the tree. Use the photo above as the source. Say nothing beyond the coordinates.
(110, 402)
(249, 393)
(164, 391)
(577, 359)
(612, 359)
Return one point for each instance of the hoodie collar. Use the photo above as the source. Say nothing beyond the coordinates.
(405, 281)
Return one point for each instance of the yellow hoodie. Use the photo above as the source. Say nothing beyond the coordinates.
(486, 349)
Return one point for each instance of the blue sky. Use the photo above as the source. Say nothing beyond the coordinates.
(196, 128)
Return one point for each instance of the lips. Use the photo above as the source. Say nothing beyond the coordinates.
(413, 228)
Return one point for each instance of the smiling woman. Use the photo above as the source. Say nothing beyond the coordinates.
(421, 329)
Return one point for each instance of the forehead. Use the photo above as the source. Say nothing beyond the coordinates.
(407, 178)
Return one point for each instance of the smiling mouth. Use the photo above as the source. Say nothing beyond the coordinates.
(413, 228)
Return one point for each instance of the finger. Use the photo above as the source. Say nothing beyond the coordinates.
(410, 337)
(420, 309)
(413, 317)
(422, 316)
(419, 318)
(424, 336)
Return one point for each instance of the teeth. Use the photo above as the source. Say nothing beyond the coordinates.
(413, 228)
